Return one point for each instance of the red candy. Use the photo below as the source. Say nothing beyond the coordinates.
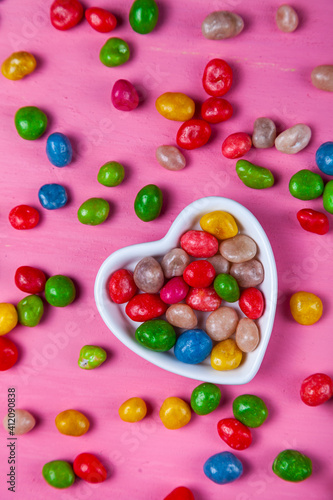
(203, 299)
(88, 467)
(216, 110)
(234, 433)
(180, 493)
(217, 78)
(66, 14)
(316, 389)
(174, 291)
(100, 19)
(122, 286)
(199, 274)
(252, 303)
(8, 354)
(199, 243)
(23, 217)
(145, 306)
(193, 134)
(313, 221)
(30, 279)
(236, 145)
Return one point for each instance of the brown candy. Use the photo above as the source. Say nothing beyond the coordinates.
(222, 24)
(322, 77)
(238, 249)
(24, 422)
(247, 335)
(174, 262)
(148, 275)
(220, 264)
(221, 324)
(170, 158)
(286, 18)
(250, 273)
(294, 139)
(264, 133)
(182, 316)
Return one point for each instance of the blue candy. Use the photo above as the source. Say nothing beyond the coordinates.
(223, 468)
(59, 149)
(193, 346)
(324, 158)
(52, 196)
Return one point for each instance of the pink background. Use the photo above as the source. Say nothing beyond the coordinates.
(271, 78)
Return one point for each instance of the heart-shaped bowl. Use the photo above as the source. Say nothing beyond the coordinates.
(124, 328)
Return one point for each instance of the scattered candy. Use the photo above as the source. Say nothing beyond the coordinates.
(223, 468)
(322, 77)
(30, 279)
(30, 310)
(175, 413)
(122, 287)
(18, 65)
(8, 318)
(286, 18)
(234, 433)
(58, 474)
(236, 145)
(193, 346)
(203, 299)
(253, 176)
(193, 134)
(24, 422)
(252, 303)
(328, 197)
(59, 149)
(221, 224)
(222, 323)
(226, 287)
(306, 308)
(148, 203)
(143, 16)
(216, 110)
(72, 423)
(324, 158)
(199, 243)
(222, 24)
(182, 316)
(316, 389)
(205, 398)
(156, 335)
(180, 493)
(306, 185)
(23, 217)
(250, 410)
(133, 410)
(199, 274)
(174, 291)
(30, 122)
(175, 106)
(240, 248)
(114, 52)
(294, 139)
(247, 335)
(91, 356)
(145, 306)
(124, 96)
(87, 467)
(59, 291)
(291, 465)
(8, 353)
(111, 174)
(100, 19)
(313, 221)
(175, 262)
(220, 264)
(226, 355)
(217, 78)
(52, 196)
(66, 14)
(248, 274)
(170, 158)
(93, 212)
(264, 133)
(148, 275)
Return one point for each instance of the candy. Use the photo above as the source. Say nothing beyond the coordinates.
(180, 493)
(175, 106)
(174, 291)
(247, 335)
(193, 346)
(220, 264)
(91, 356)
(58, 474)
(306, 185)
(217, 78)
(30, 279)
(223, 468)
(111, 174)
(324, 158)
(66, 14)
(182, 316)
(143, 16)
(175, 262)
(22, 423)
(59, 291)
(133, 410)
(59, 149)
(23, 217)
(294, 139)
(199, 274)
(124, 96)
(316, 389)
(264, 133)
(175, 413)
(254, 176)
(52, 196)
(203, 299)
(252, 303)
(30, 310)
(93, 212)
(193, 134)
(30, 122)
(286, 18)
(240, 248)
(221, 324)
(250, 410)
(222, 24)
(122, 287)
(236, 145)
(156, 335)
(72, 423)
(148, 275)
(291, 465)
(145, 306)
(89, 468)
(199, 243)
(114, 52)
(8, 318)
(248, 274)
(313, 221)
(328, 197)
(306, 308)
(226, 287)
(100, 19)
(8, 353)
(170, 158)
(226, 355)
(148, 203)
(322, 77)
(18, 65)
(216, 110)
(205, 398)
(234, 433)
(221, 224)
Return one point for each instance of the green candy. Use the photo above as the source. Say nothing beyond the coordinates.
(157, 335)
(59, 474)
(93, 211)
(91, 356)
(114, 52)
(253, 176)
(306, 185)
(205, 398)
(30, 310)
(143, 16)
(148, 203)
(59, 291)
(30, 122)
(291, 465)
(328, 197)
(111, 174)
(226, 287)
(250, 410)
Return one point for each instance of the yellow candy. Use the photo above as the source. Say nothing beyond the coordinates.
(133, 410)
(226, 355)
(8, 318)
(18, 65)
(175, 106)
(306, 308)
(175, 413)
(220, 224)
(72, 423)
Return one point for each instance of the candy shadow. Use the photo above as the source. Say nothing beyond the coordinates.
(163, 13)
(75, 142)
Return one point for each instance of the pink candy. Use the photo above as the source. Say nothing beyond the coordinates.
(124, 96)
(174, 291)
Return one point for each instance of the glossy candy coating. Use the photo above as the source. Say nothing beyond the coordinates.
(170, 158)
(306, 185)
(199, 274)
(180, 493)
(93, 212)
(182, 316)
(220, 224)
(220, 264)
(52, 196)
(30, 310)
(148, 275)
(59, 149)
(30, 279)
(193, 134)
(175, 262)
(124, 96)
(322, 77)
(316, 389)
(226, 287)
(226, 355)
(72, 423)
(250, 410)
(216, 110)
(286, 18)
(175, 413)
(294, 139)
(114, 52)
(205, 398)
(30, 122)
(91, 356)
(252, 303)
(291, 465)
(133, 410)
(203, 299)
(65, 14)
(175, 106)
(59, 474)
(313, 221)
(111, 174)
(247, 335)
(240, 248)
(234, 433)
(236, 145)
(156, 335)
(264, 133)
(223, 468)
(122, 287)
(59, 291)
(328, 197)
(145, 306)
(248, 274)
(222, 323)
(254, 176)
(217, 78)
(174, 291)
(8, 318)
(87, 467)
(324, 158)
(143, 16)
(18, 65)
(148, 203)
(8, 354)
(222, 24)
(193, 346)
(306, 308)
(24, 422)
(23, 217)
(100, 19)
(199, 243)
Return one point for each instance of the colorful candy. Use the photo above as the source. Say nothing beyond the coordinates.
(247, 335)
(199, 243)
(8, 353)
(182, 316)
(156, 335)
(91, 356)
(203, 299)
(30, 122)
(59, 149)
(220, 264)
(286, 18)
(175, 413)
(148, 203)
(122, 287)
(100, 19)
(175, 262)
(111, 174)
(222, 24)
(252, 303)
(133, 410)
(294, 139)
(52, 196)
(306, 185)
(175, 106)
(193, 134)
(324, 158)
(193, 346)
(291, 465)
(59, 291)
(145, 306)
(313, 221)
(58, 474)
(114, 52)
(72, 423)
(222, 323)
(87, 467)
(254, 176)
(93, 212)
(306, 308)
(148, 275)
(322, 77)
(124, 96)
(216, 110)
(8, 318)
(217, 78)
(250, 410)
(226, 287)
(180, 493)
(236, 145)
(143, 16)
(223, 468)
(240, 248)
(30, 279)
(205, 398)
(18, 65)
(234, 433)
(65, 14)
(221, 224)
(170, 158)
(264, 133)
(226, 355)
(199, 274)
(24, 422)
(23, 217)
(248, 274)
(328, 197)
(174, 291)
(316, 389)
(30, 310)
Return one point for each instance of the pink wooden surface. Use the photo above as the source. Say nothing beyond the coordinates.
(272, 73)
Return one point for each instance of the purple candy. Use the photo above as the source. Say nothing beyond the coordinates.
(124, 96)
(174, 291)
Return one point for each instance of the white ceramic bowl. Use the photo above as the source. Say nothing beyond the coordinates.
(124, 329)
